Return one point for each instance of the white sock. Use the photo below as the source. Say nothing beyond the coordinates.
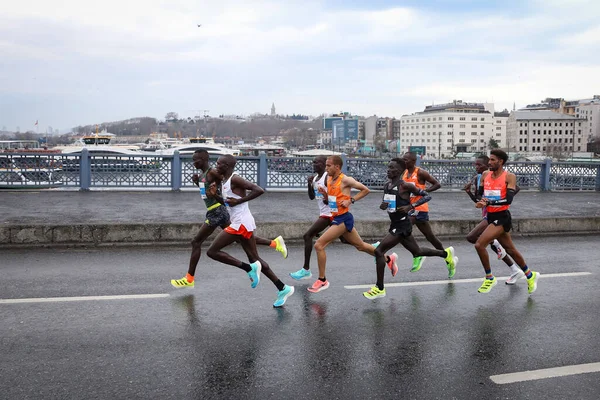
(514, 268)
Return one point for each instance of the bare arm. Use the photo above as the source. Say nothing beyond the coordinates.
(468, 190)
(240, 183)
(311, 190)
(426, 177)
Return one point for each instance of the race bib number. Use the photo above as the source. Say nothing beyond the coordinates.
(391, 200)
(333, 207)
(318, 195)
(492, 194)
(202, 190)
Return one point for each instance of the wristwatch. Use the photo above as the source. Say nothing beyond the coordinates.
(352, 200)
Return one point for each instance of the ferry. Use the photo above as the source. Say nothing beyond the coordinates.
(25, 164)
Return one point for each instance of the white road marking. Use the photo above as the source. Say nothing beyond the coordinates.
(83, 298)
(451, 281)
(545, 373)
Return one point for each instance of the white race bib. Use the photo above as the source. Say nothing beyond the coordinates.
(391, 200)
(202, 190)
(333, 207)
(492, 194)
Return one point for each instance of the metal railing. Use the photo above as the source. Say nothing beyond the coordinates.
(173, 172)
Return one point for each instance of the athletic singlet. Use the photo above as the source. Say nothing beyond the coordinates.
(323, 208)
(240, 214)
(414, 179)
(335, 196)
(208, 201)
(495, 189)
(391, 195)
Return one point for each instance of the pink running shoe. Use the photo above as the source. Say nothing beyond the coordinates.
(392, 264)
(318, 286)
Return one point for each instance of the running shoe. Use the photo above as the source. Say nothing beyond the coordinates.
(514, 277)
(374, 293)
(318, 286)
(282, 295)
(487, 285)
(532, 282)
(182, 283)
(254, 274)
(280, 246)
(301, 274)
(451, 261)
(392, 264)
(417, 263)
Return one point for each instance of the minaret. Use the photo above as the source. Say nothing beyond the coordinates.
(273, 110)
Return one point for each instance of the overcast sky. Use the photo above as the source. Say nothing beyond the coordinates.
(77, 62)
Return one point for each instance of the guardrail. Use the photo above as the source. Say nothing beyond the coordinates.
(86, 171)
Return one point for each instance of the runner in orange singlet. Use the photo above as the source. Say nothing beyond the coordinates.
(497, 189)
(337, 196)
(420, 215)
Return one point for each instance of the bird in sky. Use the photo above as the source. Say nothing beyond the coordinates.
(199, 25)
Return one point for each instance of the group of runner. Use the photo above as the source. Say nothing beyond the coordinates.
(404, 198)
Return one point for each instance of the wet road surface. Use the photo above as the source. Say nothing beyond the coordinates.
(224, 339)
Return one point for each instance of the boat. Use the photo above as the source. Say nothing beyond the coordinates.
(200, 143)
(25, 164)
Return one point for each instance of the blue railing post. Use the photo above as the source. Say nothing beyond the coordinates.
(545, 175)
(176, 171)
(262, 170)
(344, 164)
(85, 170)
(598, 179)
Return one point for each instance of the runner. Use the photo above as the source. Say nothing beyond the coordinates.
(420, 215)
(241, 229)
(216, 216)
(497, 189)
(324, 220)
(481, 165)
(396, 200)
(338, 199)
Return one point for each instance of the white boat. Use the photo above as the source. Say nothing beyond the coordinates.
(99, 142)
(200, 143)
(24, 164)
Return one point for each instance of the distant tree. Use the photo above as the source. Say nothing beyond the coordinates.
(493, 144)
(171, 116)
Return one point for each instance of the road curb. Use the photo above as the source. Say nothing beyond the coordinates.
(181, 233)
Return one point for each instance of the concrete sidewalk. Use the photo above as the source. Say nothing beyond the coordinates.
(53, 216)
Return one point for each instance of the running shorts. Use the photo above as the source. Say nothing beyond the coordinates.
(501, 218)
(419, 216)
(401, 228)
(346, 218)
(219, 217)
(242, 231)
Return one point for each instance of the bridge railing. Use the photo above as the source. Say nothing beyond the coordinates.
(92, 171)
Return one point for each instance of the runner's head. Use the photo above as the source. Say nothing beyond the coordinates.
(200, 159)
(225, 164)
(410, 159)
(481, 164)
(497, 159)
(319, 164)
(333, 165)
(395, 168)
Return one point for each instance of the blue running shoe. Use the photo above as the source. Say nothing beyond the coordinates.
(282, 295)
(254, 274)
(301, 274)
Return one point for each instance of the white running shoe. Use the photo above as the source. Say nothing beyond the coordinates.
(514, 277)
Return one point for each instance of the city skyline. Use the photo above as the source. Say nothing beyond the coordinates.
(81, 63)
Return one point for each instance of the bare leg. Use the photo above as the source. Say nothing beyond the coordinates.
(355, 240)
(318, 226)
(387, 243)
(203, 234)
(491, 232)
(262, 241)
(332, 233)
(509, 246)
(477, 231)
(215, 251)
(249, 246)
(425, 229)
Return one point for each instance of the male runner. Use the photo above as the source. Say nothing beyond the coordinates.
(497, 190)
(396, 200)
(324, 220)
(481, 165)
(242, 229)
(337, 197)
(420, 215)
(216, 216)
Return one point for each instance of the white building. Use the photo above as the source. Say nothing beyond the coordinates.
(546, 133)
(447, 129)
(590, 110)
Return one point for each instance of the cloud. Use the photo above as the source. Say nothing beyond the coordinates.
(308, 57)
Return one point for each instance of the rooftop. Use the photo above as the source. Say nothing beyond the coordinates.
(542, 115)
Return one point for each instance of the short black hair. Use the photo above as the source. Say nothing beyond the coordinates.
(501, 154)
(484, 158)
(201, 151)
(399, 161)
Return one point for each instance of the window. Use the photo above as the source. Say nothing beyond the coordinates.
(462, 125)
(498, 134)
(450, 118)
(474, 119)
(474, 126)
(461, 133)
(462, 118)
(498, 128)
(449, 141)
(473, 140)
(483, 119)
(452, 126)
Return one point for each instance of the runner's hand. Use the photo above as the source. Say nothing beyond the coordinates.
(405, 209)
(481, 203)
(383, 205)
(345, 203)
(323, 191)
(233, 202)
(195, 179)
(211, 191)
(467, 187)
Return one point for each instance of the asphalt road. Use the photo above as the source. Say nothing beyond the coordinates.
(223, 340)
